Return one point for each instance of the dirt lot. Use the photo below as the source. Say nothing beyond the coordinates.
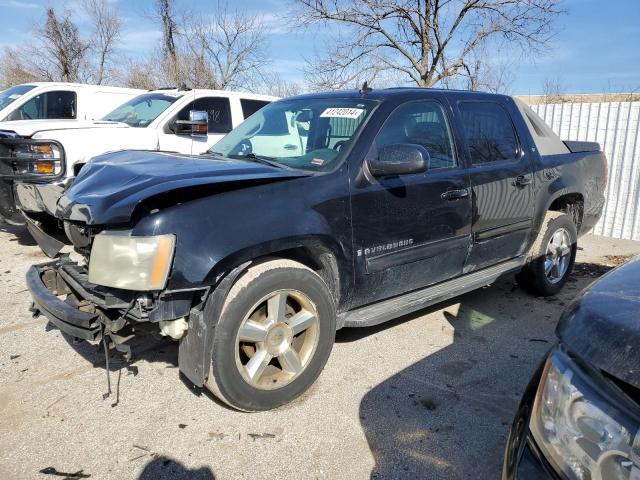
(430, 395)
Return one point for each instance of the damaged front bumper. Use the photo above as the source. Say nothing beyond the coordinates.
(81, 313)
(62, 293)
(44, 284)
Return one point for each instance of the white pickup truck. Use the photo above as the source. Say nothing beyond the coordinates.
(39, 159)
(57, 100)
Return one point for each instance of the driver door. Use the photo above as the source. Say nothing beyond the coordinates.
(411, 230)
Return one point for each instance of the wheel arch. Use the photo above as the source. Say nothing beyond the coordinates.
(320, 253)
(569, 202)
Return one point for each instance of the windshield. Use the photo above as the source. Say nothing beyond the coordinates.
(10, 95)
(141, 111)
(305, 133)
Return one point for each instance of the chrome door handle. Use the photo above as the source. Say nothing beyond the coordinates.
(454, 194)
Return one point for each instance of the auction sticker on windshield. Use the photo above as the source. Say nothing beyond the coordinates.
(342, 112)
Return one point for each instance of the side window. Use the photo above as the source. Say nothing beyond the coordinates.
(60, 104)
(422, 123)
(218, 110)
(249, 107)
(489, 132)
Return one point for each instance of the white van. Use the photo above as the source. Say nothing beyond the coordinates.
(54, 100)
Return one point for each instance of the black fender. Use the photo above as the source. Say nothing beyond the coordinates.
(324, 251)
(195, 350)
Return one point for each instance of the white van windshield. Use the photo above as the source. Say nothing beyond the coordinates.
(304, 133)
(10, 95)
(142, 110)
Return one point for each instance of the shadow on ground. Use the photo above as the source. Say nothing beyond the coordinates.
(18, 234)
(165, 468)
(447, 416)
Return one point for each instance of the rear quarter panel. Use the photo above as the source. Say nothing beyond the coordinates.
(571, 173)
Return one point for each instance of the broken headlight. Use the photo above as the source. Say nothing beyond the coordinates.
(581, 427)
(119, 260)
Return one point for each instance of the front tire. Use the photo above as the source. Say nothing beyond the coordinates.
(551, 257)
(274, 336)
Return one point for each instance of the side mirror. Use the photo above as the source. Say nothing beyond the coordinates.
(400, 159)
(196, 126)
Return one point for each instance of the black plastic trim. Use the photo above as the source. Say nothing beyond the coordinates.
(63, 315)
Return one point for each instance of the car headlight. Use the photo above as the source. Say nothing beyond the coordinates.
(132, 263)
(581, 427)
(42, 158)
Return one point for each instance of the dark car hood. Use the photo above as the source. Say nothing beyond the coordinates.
(110, 186)
(602, 325)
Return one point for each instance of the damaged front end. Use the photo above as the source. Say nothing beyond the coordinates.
(61, 291)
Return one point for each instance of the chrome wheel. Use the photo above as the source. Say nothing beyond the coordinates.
(277, 339)
(558, 256)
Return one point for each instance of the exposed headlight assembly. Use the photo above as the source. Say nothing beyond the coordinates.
(120, 260)
(581, 425)
(33, 157)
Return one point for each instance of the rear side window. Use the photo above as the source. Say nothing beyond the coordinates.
(60, 104)
(249, 107)
(420, 123)
(489, 132)
(218, 110)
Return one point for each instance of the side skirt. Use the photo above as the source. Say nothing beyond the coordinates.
(411, 302)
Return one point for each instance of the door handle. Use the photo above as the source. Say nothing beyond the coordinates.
(454, 194)
(521, 181)
(290, 146)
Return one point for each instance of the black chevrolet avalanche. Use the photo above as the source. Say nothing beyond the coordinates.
(319, 212)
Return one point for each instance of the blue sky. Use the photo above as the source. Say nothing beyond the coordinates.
(596, 48)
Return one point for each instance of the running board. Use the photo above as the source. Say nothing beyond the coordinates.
(411, 302)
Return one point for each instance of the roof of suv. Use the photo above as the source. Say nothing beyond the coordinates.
(383, 93)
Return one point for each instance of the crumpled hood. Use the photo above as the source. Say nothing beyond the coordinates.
(110, 186)
(28, 128)
(602, 325)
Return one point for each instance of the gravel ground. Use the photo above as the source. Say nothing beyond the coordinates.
(430, 395)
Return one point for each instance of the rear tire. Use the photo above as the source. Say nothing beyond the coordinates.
(274, 336)
(551, 257)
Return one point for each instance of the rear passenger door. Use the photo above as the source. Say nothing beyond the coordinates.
(411, 230)
(501, 177)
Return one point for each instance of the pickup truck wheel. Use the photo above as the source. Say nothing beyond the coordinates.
(552, 256)
(273, 337)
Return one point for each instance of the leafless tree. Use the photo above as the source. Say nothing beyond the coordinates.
(63, 47)
(226, 50)
(428, 41)
(12, 69)
(553, 90)
(276, 85)
(487, 72)
(106, 33)
(58, 53)
(141, 74)
(166, 14)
